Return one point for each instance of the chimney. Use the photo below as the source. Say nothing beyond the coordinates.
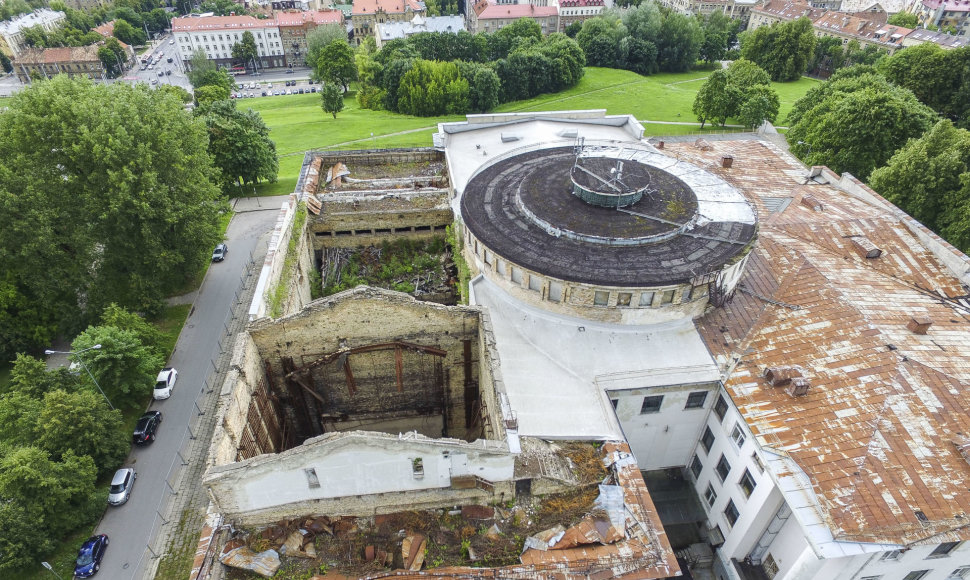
(920, 324)
(727, 161)
(865, 248)
(811, 203)
(798, 387)
(660, 145)
(781, 376)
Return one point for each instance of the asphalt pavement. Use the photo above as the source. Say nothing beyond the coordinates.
(169, 470)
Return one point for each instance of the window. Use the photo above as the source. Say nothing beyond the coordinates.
(516, 275)
(916, 575)
(891, 555)
(710, 496)
(731, 513)
(871, 577)
(614, 403)
(770, 566)
(696, 466)
(651, 404)
(757, 462)
(487, 256)
(535, 283)
(600, 298)
(555, 291)
(737, 435)
(311, 477)
(623, 299)
(723, 468)
(708, 439)
(747, 483)
(696, 400)
(720, 407)
(960, 572)
(667, 297)
(943, 549)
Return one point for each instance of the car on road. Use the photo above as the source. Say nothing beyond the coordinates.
(219, 254)
(264, 93)
(165, 383)
(169, 59)
(168, 72)
(89, 556)
(154, 81)
(146, 427)
(161, 73)
(171, 41)
(121, 485)
(289, 71)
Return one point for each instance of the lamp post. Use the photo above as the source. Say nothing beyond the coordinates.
(51, 569)
(81, 360)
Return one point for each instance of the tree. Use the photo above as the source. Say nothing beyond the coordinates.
(240, 145)
(336, 64)
(5, 63)
(745, 74)
(784, 50)
(321, 36)
(484, 90)
(855, 123)
(199, 67)
(904, 19)
(208, 94)
(719, 32)
(599, 38)
(245, 51)
(679, 43)
(759, 104)
(142, 214)
(332, 99)
(22, 540)
(31, 377)
(112, 56)
(124, 368)
(122, 319)
(81, 423)
(929, 178)
(128, 34)
(716, 100)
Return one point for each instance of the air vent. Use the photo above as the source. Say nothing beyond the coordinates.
(509, 137)
(865, 248)
(920, 324)
(798, 387)
(727, 161)
(569, 133)
(811, 203)
(781, 376)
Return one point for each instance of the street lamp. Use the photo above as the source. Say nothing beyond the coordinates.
(81, 360)
(51, 569)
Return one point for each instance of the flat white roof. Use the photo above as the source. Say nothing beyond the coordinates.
(555, 366)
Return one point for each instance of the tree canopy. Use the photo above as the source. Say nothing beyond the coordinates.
(855, 122)
(742, 91)
(119, 205)
(929, 178)
(244, 52)
(331, 99)
(939, 78)
(240, 145)
(783, 49)
(336, 64)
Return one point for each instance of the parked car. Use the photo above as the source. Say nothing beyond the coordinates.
(168, 72)
(161, 73)
(169, 59)
(313, 89)
(289, 71)
(219, 254)
(171, 41)
(146, 427)
(300, 91)
(121, 485)
(264, 93)
(89, 556)
(165, 383)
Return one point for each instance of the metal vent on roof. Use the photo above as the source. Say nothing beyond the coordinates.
(509, 137)
(781, 376)
(776, 204)
(811, 203)
(864, 247)
(569, 133)
(798, 387)
(919, 324)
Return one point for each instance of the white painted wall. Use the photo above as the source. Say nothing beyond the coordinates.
(356, 464)
(665, 438)
(878, 565)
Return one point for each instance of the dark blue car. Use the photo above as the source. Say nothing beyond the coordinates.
(90, 555)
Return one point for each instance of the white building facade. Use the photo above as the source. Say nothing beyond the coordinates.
(216, 35)
(12, 31)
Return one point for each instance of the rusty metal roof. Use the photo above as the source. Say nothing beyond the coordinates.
(874, 433)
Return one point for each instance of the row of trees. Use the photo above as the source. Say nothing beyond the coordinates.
(133, 22)
(58, 435)
(743, 92)
(120, 204)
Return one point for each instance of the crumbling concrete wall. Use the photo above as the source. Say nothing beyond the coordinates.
(273, 263)
(361, 474)
(364, 222)
(235, 397)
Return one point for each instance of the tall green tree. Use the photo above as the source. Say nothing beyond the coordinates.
(929, 179)
(244, 51)
(142, 215)
(129, 34)
(336, 64)
(81, 423)
(318, 39)
(331, 99)
(904, 19)
(784, 49)
(855, 123)
(679, 43)
(716, 100)
(759, 103)
(124, 368)
(5, 63)
(240, 145)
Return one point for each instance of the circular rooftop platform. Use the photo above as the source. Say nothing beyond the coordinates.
(688, 222)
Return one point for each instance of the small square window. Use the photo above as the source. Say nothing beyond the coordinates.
(487, 256)
(535, 283)
(747, 483)
(696, 466)
(311, 477)
(960, 572)
(891, 555)
(696, 400)
(720, 407)
(500, 267)
(737, 435)
(916, 575)
(723, 468)
(601, 298)
(516, 275)
(708, 439)
(943, 549)
(623, 298)
(871, 577)
(757, 462)
(667, 297)
(710, 496)
(651, 404)
(731, 513)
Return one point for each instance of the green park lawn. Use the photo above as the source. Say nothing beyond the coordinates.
(298, 124)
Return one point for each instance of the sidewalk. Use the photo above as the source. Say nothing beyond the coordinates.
(268, 203)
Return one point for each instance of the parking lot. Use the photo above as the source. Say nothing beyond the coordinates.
(252, 89)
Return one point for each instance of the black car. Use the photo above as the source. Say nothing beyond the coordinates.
(89, 556)
(146, 427)
(219, 254)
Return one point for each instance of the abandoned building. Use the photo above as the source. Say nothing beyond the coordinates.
(780, 351)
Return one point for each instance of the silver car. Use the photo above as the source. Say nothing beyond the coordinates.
(121, 485)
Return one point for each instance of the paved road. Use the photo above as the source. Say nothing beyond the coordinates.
(133, 526)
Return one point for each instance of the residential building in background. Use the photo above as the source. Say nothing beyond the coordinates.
(74, 61)
(484, 16)
(390, 30)
(367, 14)
(12, 31)
(947, 41)
(945, 13)
(737, 9)
(579, 10)
(294, 27)
(215, 35)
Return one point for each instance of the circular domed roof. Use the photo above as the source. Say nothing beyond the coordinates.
(549, 210)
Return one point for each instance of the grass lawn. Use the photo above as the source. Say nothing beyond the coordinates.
(298, 124)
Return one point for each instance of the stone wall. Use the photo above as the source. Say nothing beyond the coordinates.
(272, 268)
(235, 397)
